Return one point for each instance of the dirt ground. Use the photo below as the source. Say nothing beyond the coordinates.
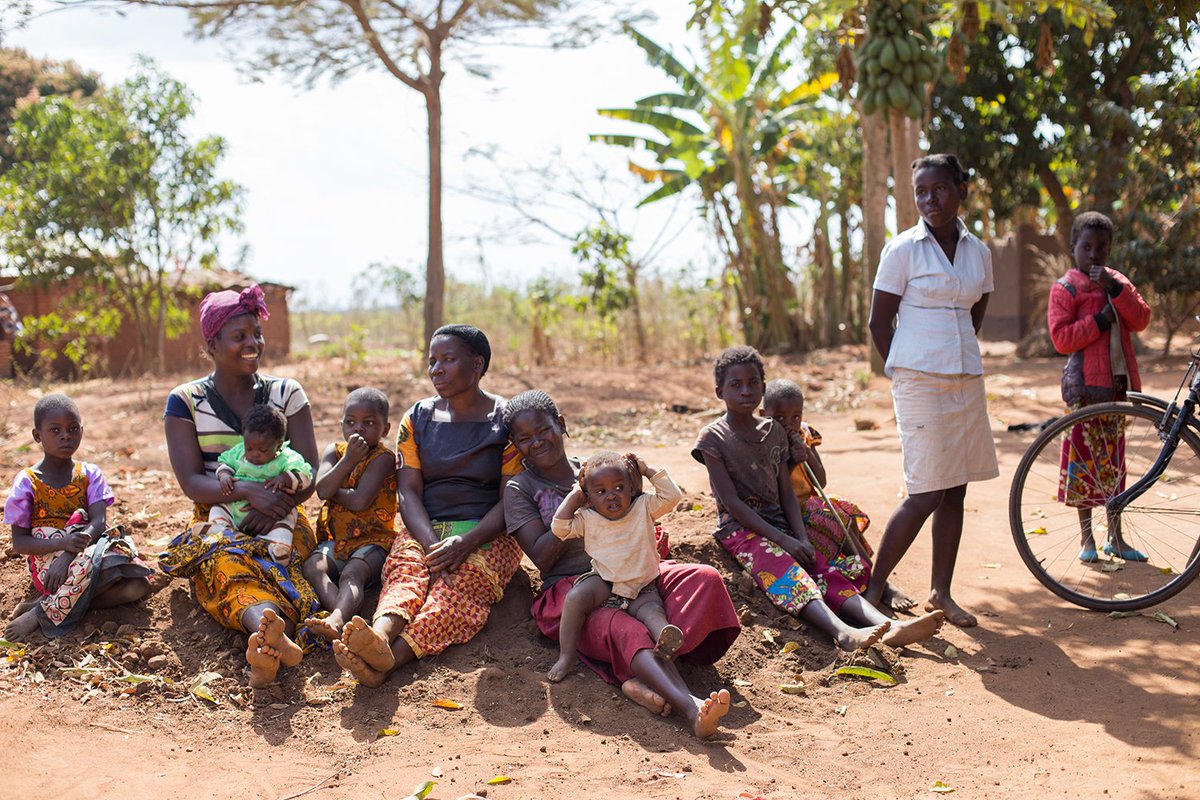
(1042, 699)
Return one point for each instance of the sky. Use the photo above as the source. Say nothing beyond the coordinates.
(335, 175)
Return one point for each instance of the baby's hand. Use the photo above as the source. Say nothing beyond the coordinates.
(356, 448)
(638, 464)
(226, 480)
(278, 484)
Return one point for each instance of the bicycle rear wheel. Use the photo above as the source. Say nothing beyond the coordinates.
(1076, 464)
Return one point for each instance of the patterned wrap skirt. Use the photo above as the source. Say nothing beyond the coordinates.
(1092, 461)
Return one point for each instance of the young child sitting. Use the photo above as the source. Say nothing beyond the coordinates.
(1092, 310)
(761, 525)
(357, 523)
(263, 457)
(618, 533)
(57, 509)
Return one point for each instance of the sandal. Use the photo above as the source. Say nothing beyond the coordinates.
(1128, 554)
(1088, 555)
(670, 639)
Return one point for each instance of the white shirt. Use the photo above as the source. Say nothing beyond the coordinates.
(933, 328)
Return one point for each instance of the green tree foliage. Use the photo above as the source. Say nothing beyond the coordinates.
(610, 277)
(728, 131)
(24, 79)
(112, 194)
(1113, 126)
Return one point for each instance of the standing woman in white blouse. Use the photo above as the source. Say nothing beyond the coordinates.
(933, 283)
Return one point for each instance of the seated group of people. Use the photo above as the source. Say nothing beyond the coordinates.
(477, 481)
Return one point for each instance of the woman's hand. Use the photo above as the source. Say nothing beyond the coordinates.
(56, 576)
(75, 543)
(799, 548)
(448, 554)
(274, 505)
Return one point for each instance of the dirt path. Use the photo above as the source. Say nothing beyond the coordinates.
(1042, 699)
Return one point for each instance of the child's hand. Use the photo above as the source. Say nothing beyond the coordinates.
(278, 484)
(1101, 277)
(1110, 313)
(799, 548)
(801, 452)
(56, 576)
(356, 448)
(76, 543)
(638, 464)
(226, 480)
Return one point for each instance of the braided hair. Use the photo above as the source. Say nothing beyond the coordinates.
(532, 400)
(946, 161)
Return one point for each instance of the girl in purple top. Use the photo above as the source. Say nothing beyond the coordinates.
(57, 509)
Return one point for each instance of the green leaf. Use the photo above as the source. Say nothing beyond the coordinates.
(421, 791)
(866, 672)
(1124, 614)
(670, 186)
(656, 119)
(1165, 618)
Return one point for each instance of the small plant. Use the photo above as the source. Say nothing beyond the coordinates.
(354, 347)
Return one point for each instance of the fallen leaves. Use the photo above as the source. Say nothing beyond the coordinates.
(447, 703)
(951, 651)
(867, 672)
(941, 787)
(421, 791)
(793, 688)
(499, 780)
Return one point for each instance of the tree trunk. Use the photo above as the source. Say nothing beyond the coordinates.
(875, 174)
(635, 307)
(903, 154)
(435, 275)
(848, 306)
(824, 254)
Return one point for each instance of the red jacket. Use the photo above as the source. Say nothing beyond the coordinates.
(1075, 302)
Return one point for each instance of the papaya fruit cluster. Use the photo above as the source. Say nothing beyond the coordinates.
(897, 59)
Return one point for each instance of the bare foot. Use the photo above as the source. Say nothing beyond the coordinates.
(263, 660)
(326, 627)
(862, 638)
(955, 614)
(22, 625)
(274, 632)
(561, 667)
(895, 599)
(347, 660)
(646, 697)
(709, 713)
(367, 643)
(913, 631)
(27, 605)
(670, 639)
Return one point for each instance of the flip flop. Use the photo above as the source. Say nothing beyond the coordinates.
(670, 639)
(1088, 555)
(1125, 555)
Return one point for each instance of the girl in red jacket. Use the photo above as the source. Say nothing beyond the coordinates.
(1093, 309)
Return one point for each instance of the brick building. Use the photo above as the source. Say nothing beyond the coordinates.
(184, 352)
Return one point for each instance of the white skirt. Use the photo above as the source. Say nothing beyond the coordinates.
(945, 432)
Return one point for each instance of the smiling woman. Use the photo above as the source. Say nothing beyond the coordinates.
(232, 574)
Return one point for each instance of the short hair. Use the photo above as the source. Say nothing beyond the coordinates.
(605, 458)
(53, 402)
(532, 400)
(368, 396)
(266, 419)
(946, 161)
(1090, 221)
(475, 340)
(742, 354)
(781, 390)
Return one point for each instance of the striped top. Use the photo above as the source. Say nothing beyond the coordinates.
(217, 428)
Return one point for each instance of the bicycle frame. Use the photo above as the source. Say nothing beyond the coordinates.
(1182, 418)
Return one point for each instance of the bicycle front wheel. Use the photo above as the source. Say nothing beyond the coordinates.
(1143, 555)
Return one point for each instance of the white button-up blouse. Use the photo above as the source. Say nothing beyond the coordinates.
(933, 328)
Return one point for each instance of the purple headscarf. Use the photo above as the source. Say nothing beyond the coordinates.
(217, 308)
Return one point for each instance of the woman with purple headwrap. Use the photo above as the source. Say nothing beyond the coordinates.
(233, 576)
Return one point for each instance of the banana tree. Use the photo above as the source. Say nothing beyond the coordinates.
(730, 130)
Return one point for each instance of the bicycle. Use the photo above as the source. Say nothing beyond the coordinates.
(1145, 480)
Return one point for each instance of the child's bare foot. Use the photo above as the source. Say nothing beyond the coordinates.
(22, 625)
(955, 614)
(281, 553)
(263, 660)
(25, 605)
(347, 660)
(329, 627)
(646, 697)
(895, 599)
(561, 667)
(913, 631)
(709, 713)
(862, 638)
(670, 639)
(271, 626)
(368, 644)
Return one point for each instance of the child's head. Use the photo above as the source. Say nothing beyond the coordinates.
(608, 481)
(1091, 237)
(783, 401)
(365, 413)
(939, 188)
(57, 426)
(740, 376)
(536, 427)
(263, 430)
